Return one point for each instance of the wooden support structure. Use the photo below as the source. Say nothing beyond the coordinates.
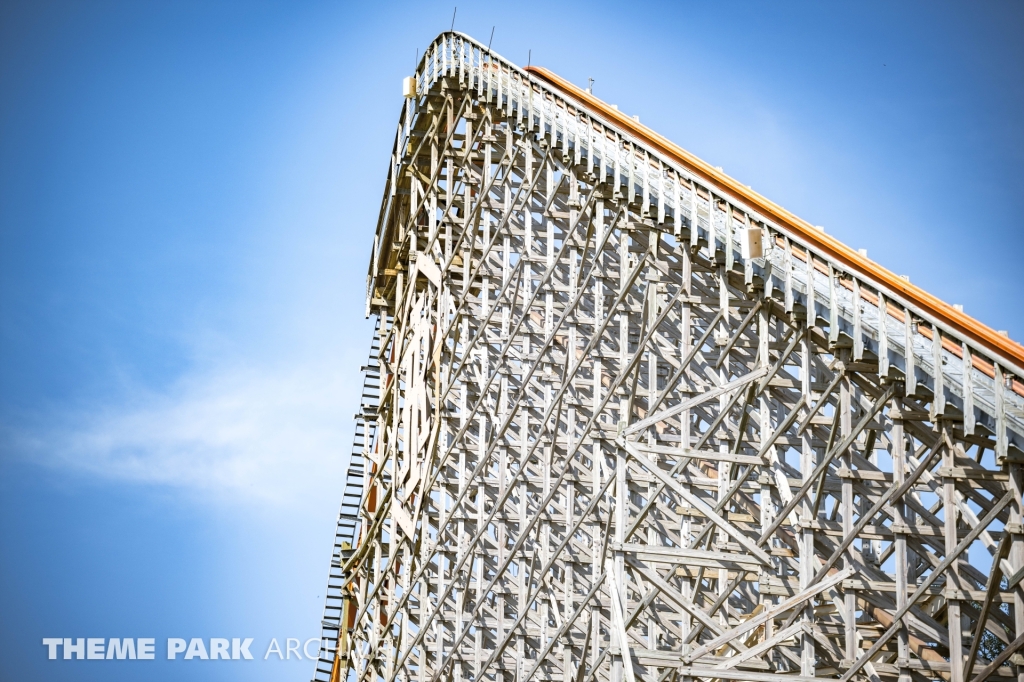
(635, 422)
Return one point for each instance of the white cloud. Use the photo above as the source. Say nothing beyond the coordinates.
(266, 435)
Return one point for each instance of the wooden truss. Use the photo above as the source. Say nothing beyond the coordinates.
(630, 428)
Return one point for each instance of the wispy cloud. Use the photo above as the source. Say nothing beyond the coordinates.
(266, 435)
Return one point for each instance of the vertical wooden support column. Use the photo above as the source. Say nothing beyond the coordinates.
(1016, 471)
(723, 402)
(685, 342)
(950, 515)
(807, 464)
(850, 595)
(899, 467)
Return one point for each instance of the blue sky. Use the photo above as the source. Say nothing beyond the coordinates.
(188, 193)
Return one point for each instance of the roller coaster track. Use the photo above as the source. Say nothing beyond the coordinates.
(637, 422)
